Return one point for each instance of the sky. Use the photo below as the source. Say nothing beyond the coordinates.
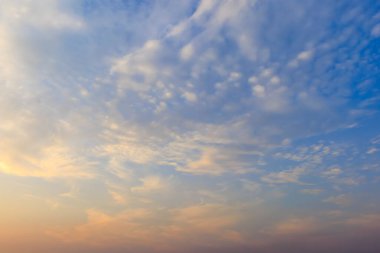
(189, 126)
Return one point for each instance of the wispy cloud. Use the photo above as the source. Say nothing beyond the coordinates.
(226, 125)
(287, 176)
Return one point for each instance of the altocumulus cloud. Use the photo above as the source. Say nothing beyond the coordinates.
(162, 126)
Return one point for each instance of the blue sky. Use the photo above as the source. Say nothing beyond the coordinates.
(185, 126)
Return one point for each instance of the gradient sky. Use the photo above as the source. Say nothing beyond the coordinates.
(189, 126)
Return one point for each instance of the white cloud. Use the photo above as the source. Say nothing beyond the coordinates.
(251, 186)
(48, 14)
(216, 161)
(275, 80)
(190, 96)
(208, 219)
(56, 161)
(138, 70)
(349, 181)
(372, 150)
(364, 220)
(150, 184)
(204, 94)
(333, 172)
(376, 31)
(118, 198)
(311, 191)
(305, 55)
(23, 52)
(295, 226)
(266, 73)
(301, 57)
(234, 76)
(259, 90)
(341, 200)
(253, 80)
(207, 164)
(192, 225)
(284, 177)
(276, 100)
(187, 52)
